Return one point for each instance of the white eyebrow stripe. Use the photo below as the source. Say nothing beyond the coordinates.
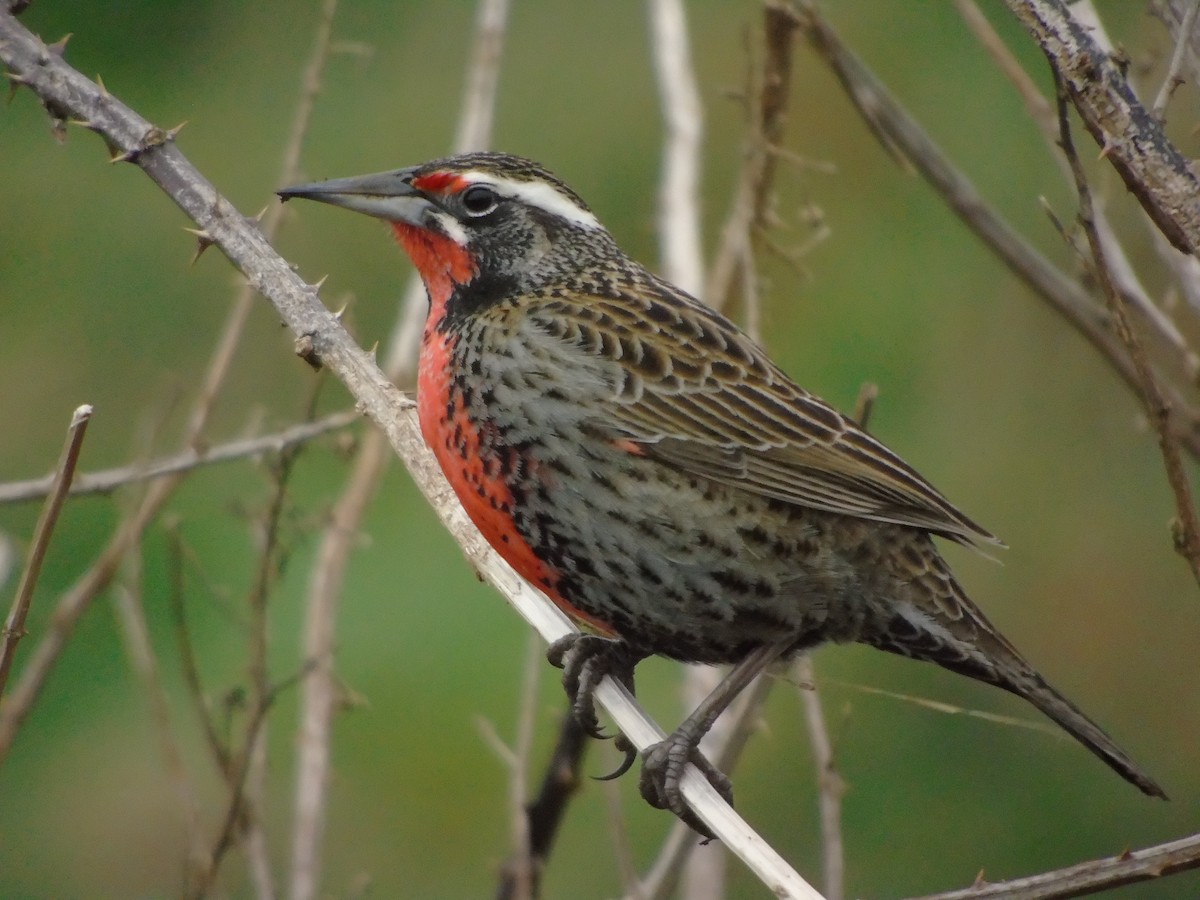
(539, 194)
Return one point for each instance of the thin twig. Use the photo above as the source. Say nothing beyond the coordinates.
(751, 203)
(131, 613)
(1090, 877)
(1172, 80)
(622, 846)
(187, 654)
(683, 134)
(326, 340)
(239, 769)
(1186, 526)
(132, 139)
(524, 869)
(106, 481)
(14, 625)
(1172, 13)
(252, 795)
(546, 811)
(682, 263)
(1064, 295)
(830, 786)
(319, 692)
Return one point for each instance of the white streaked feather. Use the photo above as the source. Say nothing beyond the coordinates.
(451, 227)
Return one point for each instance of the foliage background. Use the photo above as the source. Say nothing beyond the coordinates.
(982, 388)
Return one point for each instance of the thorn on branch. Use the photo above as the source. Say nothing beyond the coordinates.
(204, 240)
(154, 137)
(59, 47)
(14, 83)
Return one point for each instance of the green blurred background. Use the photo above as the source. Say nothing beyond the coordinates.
(996, 400)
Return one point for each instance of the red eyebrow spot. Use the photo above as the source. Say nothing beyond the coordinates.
(440, 182)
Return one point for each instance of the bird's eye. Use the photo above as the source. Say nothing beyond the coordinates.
(479, 200)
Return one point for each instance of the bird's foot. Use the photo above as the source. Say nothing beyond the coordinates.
(585, 659)
(662, 772)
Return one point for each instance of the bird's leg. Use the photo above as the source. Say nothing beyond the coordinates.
(666, 761)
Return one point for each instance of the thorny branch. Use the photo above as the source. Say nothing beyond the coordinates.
(1187, 528)
(1130, 138)
(903, 135)
(1090, 877)
(1164, 331)
(319, 692)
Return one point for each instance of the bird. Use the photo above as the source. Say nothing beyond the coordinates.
(633, 454)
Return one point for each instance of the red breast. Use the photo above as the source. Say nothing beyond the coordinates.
(454, 435)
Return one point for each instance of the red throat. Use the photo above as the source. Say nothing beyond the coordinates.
(440, 261)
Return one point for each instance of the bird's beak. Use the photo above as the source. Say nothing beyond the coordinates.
(384, 195)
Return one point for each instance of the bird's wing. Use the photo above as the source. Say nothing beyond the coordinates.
(693, 391)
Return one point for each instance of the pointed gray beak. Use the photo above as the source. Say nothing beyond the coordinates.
(384, 195)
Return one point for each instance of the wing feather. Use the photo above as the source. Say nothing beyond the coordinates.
(695, 392)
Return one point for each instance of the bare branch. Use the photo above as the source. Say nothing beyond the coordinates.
(742, 718)
(524, 869)
(752, 195)
(1132, 140)
(830, 786)
(1130, 867)
(187, 656)
(683, 264)
(1041, 110)
(131, 613)
(1187, 538)
(14, 626)
(683, 118)
(1172, 79)
(239, 769)
(109, 480)
(1172, 13)
(1062, 293)
(545, 812)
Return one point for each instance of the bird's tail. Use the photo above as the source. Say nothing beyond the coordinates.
(1084, 730)
(942, 625)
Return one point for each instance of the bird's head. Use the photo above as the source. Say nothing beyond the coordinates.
(495, 222)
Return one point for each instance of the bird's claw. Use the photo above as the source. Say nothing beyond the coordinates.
(585, 659)
(623, 744)
(662, 772)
